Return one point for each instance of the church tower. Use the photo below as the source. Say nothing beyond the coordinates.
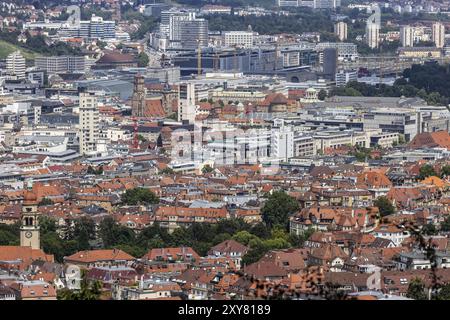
(138, 97)
(29, 229)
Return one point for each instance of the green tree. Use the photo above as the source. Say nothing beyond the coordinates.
(416, 290)
(113, 234)
(299, 240)
(52, 243)
(89, 290)
(139, 196)
(278, 208)
(256, 252)
(384, 205)
(9, 234)
(425, 171)
(83, 231)
(244, 237)
(445, 226)
(168, 171)
(231, 226)
(322, 95)
(92, 170)
(46, 202)
(141, 138)
(429, 230)
(444, 292)
(445, 171)
(143, 59)
(207, 169)
(261, 230)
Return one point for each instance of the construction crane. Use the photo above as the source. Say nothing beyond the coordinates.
(276, 54)
(235, 59)
(199, 58)
(216, 62)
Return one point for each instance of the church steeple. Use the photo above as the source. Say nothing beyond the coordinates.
(29, 229)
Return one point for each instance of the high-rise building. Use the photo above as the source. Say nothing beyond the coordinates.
(15, 65)
(340, 30)
(438, 35)
(373, 33)
(407, 36)
(89, 122)
(186, 102)
(194, 33)
(29, 229)
(184, 29)
(138, 98)
(329, 63)
(174, 24)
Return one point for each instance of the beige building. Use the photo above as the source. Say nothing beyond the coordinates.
(336, 139)
(341, 30)
(407, 36)
(420, 52)
(242, 39)
(438, 31)
(236, 95)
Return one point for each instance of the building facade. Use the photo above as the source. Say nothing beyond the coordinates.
(89, 123)
(15, 65)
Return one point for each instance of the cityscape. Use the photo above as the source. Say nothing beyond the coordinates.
(224, 150)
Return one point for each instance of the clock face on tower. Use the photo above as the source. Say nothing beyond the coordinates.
(28, 234)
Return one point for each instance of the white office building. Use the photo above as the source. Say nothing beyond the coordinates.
(62, 64)
(15, 65)
(96, 28)
(343, 77)
(183, 29)
(243, 39)
(89, 123)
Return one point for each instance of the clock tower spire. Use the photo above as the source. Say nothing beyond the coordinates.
(29, 229)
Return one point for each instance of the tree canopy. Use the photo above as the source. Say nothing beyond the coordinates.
(278, 208)
(139, 196)
(384, 205)
(416, 290)
(426, 170)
